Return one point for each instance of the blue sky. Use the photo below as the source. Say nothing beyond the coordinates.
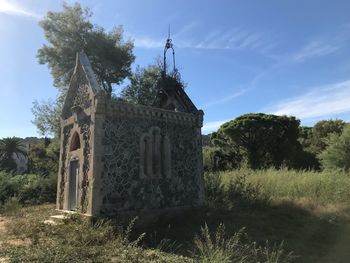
(283, 57)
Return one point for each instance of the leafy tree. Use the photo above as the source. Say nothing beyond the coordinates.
(43, 157)
(264, 140)
(216, 159)
(337, 153)
(308, 157)
(226, 154)
(143, 85)
(47, 116)
(321, 131)
(305, 136)
(9, 147)
(69, 32)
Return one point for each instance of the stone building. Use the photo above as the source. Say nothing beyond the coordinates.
(118, 157)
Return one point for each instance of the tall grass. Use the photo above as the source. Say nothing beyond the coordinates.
(218, 247)
(77, 240)
(322, 187)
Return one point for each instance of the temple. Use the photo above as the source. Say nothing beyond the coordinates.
(117, 157)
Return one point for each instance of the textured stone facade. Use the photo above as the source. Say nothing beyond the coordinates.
(131, 157)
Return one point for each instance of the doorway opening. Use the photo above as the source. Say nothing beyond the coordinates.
(73, 185)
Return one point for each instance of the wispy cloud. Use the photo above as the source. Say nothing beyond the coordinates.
(324, 101)
(234, 39)
(13, 8)
(225, 99)
(147, 42)
(212, 126)
(315, 49)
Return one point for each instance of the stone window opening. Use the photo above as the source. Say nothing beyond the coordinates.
(75, 142)
(155, 154)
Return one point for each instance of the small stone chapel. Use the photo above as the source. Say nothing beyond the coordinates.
(117, 157)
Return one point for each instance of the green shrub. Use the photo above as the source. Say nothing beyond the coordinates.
(214, 189)
(237, 191)
(28, 188)
(80, 240)
(7, 187)
(11, 206)
(241, 192)
(220, 248)
(337, 153)
(322, 187)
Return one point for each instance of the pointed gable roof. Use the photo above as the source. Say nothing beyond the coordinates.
(82, 84)
(83, 61)
(172, 96)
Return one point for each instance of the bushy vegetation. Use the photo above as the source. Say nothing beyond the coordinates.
(80, 240)
(236, 191)
(243, 205)
(261, 141)
(308, 210)
(43, 157)
(337, 154)
(322, 187)
(9, 147)
(219, 248)
(26, 189)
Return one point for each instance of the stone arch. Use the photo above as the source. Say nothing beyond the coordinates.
(75, 143)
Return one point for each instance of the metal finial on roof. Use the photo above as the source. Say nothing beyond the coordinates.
(169, 45)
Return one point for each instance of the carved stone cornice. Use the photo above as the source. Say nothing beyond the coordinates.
(119, 108)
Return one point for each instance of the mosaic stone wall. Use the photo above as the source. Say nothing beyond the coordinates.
(124, 186)
(63, 165)
(82, 96)
(85, 135)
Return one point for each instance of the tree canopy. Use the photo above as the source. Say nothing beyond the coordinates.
(322, 130)
(47, 115)
(9, 147)
(69, 32)
(263, 140)
(142, 88)
(337, 152)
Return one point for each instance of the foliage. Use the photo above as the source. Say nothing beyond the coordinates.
(305, 137)
(327, 187)
(206, 140)
(80, 240)
(11, 206)
(27, 188)
(216, 158)
(208, 158)
(238, 191)
(263, 140)
(242, 192)
(69, 32)
(143, 85)
(220, 248)
(337, 154)
(214, 189)
(9, 147)
(322, 130)
(47, 115)
(43, 157)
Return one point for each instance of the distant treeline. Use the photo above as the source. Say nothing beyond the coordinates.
(260, 141)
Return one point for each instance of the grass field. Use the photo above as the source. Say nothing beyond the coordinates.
(308, 211)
